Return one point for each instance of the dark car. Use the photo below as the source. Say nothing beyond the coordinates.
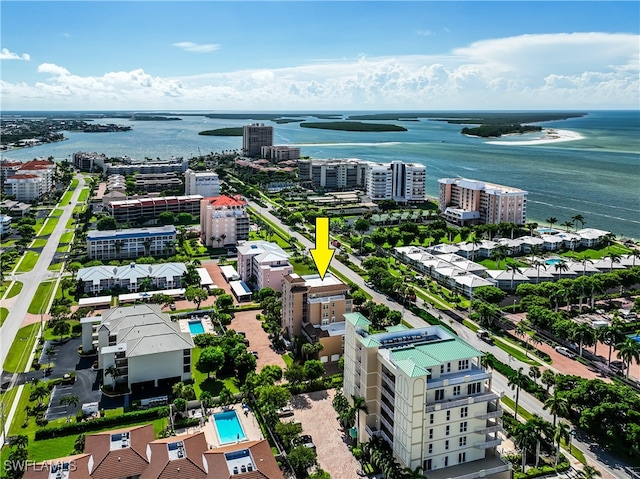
(304, 440)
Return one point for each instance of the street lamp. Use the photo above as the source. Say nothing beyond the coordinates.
(572, 434)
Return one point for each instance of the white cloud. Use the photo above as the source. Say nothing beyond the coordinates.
(577, 71)
(196, 47)
(423, 33)
(5, 54)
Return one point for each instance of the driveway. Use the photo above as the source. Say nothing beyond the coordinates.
(258, 339)
(319, 419)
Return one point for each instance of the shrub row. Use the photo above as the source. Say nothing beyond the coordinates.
(330, 382)
(541, 471)
(530, 385)
(187, 422)
(102, 422)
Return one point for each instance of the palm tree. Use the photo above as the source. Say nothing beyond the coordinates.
(537, 264)
(525, 436)
(178, 389)
(561, 431)
(499, 253)
(543, 429)
(359, 404)
(40, 392)
(636, 254)
(475, 241)
(628, 350)
(20, 441)
(584, 259)
(557, 405)
(118, 245)
(516, 382)
(614, 258)
(612, 336)
(514, 267)
(146, 243)
(70, 402)
(567, 225)
(417, 473)
(218, 239)
(561, 266)
(578, 219)
(548, 378)
(552, 221)
(222, 238)
(114, 373)
(583, 334)
(534, 373)
(589, 472)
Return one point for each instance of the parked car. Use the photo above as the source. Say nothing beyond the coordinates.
(617, 366)
(565, 352)
(304, 440)
(255, 353)
(285, 411)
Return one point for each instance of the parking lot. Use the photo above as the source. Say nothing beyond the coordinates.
(319, 419)
(259, 341)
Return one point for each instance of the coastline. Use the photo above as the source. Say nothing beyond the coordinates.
(551, 135)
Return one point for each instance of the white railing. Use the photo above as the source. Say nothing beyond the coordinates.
(486, 472)
(488, 444)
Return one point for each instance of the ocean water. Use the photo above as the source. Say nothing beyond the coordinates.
(597, 176)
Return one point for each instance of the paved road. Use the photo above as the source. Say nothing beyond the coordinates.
(33, 278)
(610, 465)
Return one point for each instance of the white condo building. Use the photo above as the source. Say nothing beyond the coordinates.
(463, 201)
(397, 181)
(205, 183)
(427, 396)
(264, 264)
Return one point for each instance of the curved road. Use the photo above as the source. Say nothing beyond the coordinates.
(608, 464)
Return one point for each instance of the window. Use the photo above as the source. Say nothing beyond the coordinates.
(430, 433)
(464, 364)
(430, 449)
(449, 415)
(186, 368)
(439, 394)
(446, 445)
(427, 465)
(431, 418)
(462, 441)
(456, 390)
(442, 369)
(447, 430)
(446, 461)
(462, 457)
(464, 411)
(474, 388)
(463, 426)
(448, 367)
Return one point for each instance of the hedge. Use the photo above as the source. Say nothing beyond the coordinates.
(187, 422)
(102, 422)
(541, 471)
(530, 385)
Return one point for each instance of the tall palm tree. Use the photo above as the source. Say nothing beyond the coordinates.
(514, 267)
(146, 243)
(359, 404)
(614, 258)
(561, 431)
(612, 336)
(516, 382)
(636, 254)
(499, 253)
(70, 402)
(561, 266)
(557, 405)
(578, 219)
(114, 373)
(628, 350)
(475, 241)
(584, 259)
(118, 245)
(543, 430)
(222, 238)
(583, 334)
(567, 225)
(552, 221)
(417, 473)
(525, 436)
(537, 264)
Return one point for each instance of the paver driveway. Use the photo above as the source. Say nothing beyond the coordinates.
(319, 419)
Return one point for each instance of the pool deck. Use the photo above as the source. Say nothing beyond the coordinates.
(249, 424)
(205, 320)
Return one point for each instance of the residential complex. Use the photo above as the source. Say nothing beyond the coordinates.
(280, 153)
(263, 264)
(142, 342)
(464, 202)
(204, 183)
(145, 209)
(398, 181)
(91, 162)
(427, 396)
(98, 279)
(131, 243)
(157, 182)
(132, 452)
(224, 220)
(254, 137)
(316, 308)
(5, 225)
(28, 181)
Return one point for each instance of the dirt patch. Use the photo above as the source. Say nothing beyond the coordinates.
(258, 339)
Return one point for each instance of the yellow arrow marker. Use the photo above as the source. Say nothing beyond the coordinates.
(322, 254)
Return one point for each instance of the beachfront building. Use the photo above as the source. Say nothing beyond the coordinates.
(397, 181)
(254, 137)
(464, 202)
(315, 308)
(130, 167)
(131, 243)
(142, 342)
(263, 264)
(224, 220)
(132, 278)
(89, 162)
(330, 175)
(205, 183)
(280, 153)
(147, 209)
(133, 452)
(427, 396)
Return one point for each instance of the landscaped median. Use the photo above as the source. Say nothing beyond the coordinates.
(41, 298)
(18, 357)
(28, 262)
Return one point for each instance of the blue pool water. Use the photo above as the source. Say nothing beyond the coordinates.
(545, 230)
(195, 327)
(553, 261)
(228, 427)
(636, 338)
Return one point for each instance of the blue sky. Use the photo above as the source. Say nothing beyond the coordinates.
(374, 55)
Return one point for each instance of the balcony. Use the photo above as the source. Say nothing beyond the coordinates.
(372, 432)
(488, 443)
(448, 403)
(462, 377)
(489, 429)
(386, 380)
(386, 408)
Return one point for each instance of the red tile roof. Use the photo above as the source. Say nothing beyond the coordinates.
(79, 467)
(22, 177)
(224, 200)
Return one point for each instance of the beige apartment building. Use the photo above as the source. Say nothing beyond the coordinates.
(224, 220)
(463, 201)
(315, 308)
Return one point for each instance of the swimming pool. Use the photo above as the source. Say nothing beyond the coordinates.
(196, 327)
(545, 230)
(636, 338)
(553, 261)
(228, 427)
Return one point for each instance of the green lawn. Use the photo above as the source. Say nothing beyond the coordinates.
(74, 184)
(15, 289)
(301, 267)
(66, 198)
(63, 249)
(42, 297)
(49, 227)
(57, 212)
(8, 243)
(29, 260)
(39, 243)
(55, 267)
(66, 237)
(71, 224)
(84, 195)
(4, 312)
(507, 348)
(213, 385)
(597, 253)
(16, 360)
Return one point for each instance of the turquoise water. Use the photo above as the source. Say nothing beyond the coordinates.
(553, 261)
(228, 427)
(636, 338)
(196, 327)
(596, 177)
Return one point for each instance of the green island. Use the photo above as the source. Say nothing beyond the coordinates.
(154, 118)
(494, 131)
(281, 121)
(353, 126)
(222, 132)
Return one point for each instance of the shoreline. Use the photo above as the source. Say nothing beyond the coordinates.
(551, 135)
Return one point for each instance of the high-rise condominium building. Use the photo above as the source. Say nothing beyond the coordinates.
(224, 220)
(463, 201)
(427, 396)
(263, 264)
(254, 137)
(315, 308)
(205, 183)
(346, 173)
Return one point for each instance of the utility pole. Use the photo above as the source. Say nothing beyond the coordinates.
(4, 436)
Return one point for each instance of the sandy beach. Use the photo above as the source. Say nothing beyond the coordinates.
(550, 136)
